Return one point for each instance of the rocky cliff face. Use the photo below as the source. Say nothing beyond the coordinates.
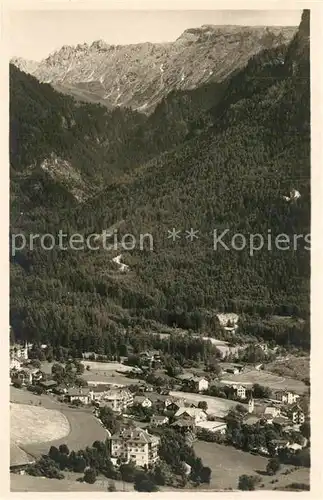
(140, 76)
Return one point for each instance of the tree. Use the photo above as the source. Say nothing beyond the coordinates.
(79, 368)
(109, 419)
(128, 472)
(261, 392)
(247, 483)
(90, 475)
(63, 448)
(36, 363)
(202, 405)
(162, 473)
(144, 483)
(172, 367)
(305, 429)
(54, 453)
(205, 475)
(273, 466)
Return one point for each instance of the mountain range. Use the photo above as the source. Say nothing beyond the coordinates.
(218, 154)
(139, 76)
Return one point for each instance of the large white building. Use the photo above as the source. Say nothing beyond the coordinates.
(286, 397)
(117, 399)
(136, 445)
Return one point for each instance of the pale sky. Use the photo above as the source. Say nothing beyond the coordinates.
(35, 34)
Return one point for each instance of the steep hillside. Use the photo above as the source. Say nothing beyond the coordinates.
(63, 151)
(140, 76)
(231, 172)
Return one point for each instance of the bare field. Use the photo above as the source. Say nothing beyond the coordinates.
(216, 406)
(228, 463)
(267, 379)
(32, 424)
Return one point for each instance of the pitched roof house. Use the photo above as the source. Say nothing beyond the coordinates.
(196, 414)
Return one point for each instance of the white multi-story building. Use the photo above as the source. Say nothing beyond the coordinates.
(117, 399)
(19, 351)
(135, 444)
(297, 415)
(286, 397)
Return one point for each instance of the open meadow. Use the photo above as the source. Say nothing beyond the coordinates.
(228, 463)
(31, 424)
(100, 373)
(80, 427)
(274, 382)
(295, 367)
(216, 406)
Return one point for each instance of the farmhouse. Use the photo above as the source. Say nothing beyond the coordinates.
(159, 420)
(19, 459)
(212, 426)
(82, 395)
(48, 384)
(89, 355)
(143, 401)
(272, 411)
(197, 384)
(135, 444)
(27, 376)
(229, 321)
(196, 414)
(163, 402)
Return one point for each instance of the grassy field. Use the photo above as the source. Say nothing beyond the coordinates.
(267, 379)
(217, 406)
(97, 376)
(105, 373)
(84, 428)
(22, 396)
(228, 464)
(294, 367)
(70, 483)
(31, 424)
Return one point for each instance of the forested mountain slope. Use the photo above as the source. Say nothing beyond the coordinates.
(234, 168)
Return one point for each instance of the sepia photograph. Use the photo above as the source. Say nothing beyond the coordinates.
(160, 250)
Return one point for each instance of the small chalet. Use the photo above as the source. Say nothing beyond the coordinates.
(82, 395)
(159, 420)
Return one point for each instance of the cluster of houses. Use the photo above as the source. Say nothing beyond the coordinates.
(136, 444)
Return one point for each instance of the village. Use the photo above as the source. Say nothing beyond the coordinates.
(137, 403)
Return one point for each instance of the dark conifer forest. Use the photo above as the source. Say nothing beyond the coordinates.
(222, 156)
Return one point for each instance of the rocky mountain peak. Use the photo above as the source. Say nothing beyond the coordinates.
(139, 76)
